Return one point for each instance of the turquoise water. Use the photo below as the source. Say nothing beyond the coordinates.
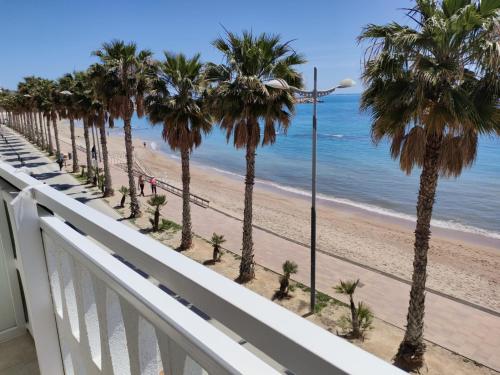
(353, 170)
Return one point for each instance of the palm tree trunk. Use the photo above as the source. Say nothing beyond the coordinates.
(355, 324)
(24, 125)
(31, 131)
(156, 220)
(49, 136)
(108, 188)
(135, 210)
(37, 131)
(32, 127)
(410, 354)
(87, 149)
(74, 150)
(187, 236)
(247, 271)
(34, 131)
(42, 130)
(56, 133)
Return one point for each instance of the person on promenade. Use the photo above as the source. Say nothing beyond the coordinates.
(153, 185)
(141, 184)
(94, 154)
(60, 162)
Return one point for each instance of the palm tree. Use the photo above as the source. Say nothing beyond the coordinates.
(124, 191)
(240, 102)
(349, 288)
(54, 101)
(157, 202)
(128, 71)
(44, 92)
(102, 93)
(216, 241)
(83, 100)
(177, 101)
(432, 89)
(289, 268)
(25, 88)
(69, 110)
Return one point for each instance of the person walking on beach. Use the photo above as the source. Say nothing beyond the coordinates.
(141, 184)
(94, 154)
(153, 185)
(60, 162)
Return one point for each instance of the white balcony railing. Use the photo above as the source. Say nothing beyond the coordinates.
(89, 313)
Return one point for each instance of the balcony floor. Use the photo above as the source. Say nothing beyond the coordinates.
(18, 357)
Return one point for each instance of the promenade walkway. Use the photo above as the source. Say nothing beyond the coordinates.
(461, 328)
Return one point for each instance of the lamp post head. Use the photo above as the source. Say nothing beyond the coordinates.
(278, 83)
(347, 82)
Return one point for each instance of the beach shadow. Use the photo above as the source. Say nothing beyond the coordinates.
(280, 296)
(62, 187)
(125, 218)
(13, 160)
(32, 165)
(15, 153)
(85, 200)
(307, 314)
(45, 175)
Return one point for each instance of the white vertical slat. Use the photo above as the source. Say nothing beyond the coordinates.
(131, 324)
(67, 274)
(62, 274)
(89, 320)
(88, 362)
(117, 338)
(175, 359)
(149, 351)
(100, 299)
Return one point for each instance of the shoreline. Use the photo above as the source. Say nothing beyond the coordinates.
(348, 206)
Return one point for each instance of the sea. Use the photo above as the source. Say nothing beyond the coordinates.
(352, 170)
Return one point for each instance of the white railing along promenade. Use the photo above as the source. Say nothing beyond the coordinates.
(89, 313)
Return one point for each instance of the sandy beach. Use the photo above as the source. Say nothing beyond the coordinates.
(461, 265)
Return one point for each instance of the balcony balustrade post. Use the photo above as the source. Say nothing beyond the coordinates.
(24, 218)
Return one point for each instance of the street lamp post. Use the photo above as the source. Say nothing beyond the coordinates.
(314, 94)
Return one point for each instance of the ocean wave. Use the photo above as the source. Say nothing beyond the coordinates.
(335, 135)
(444, 224)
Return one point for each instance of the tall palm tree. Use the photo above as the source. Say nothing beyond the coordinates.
(70, 111)
(432, 89)
(54, 101)
(82, 93)
(25, 89)
(177, 101)
(102, 93)
(129, 71)
(46, 106)
(241, 102)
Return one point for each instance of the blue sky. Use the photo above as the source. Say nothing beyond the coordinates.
(51, 37)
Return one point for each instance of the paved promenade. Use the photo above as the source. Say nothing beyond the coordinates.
(461, 328)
